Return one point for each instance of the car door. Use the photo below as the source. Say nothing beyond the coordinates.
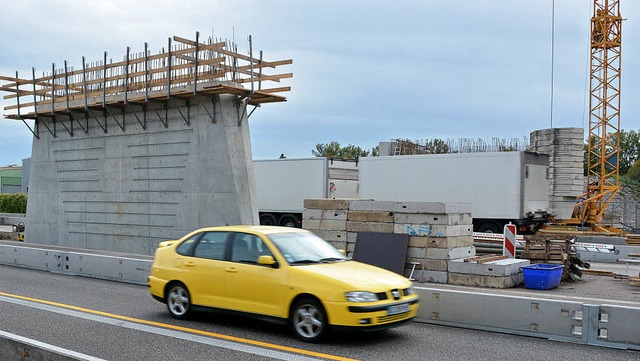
(204, 269)
(252, 287)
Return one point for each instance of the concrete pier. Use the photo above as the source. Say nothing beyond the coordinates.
(127, 190)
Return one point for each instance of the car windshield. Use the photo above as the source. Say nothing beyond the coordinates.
(305, 248)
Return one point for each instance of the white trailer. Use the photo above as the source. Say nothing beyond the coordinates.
(502, 186)
(282, 185)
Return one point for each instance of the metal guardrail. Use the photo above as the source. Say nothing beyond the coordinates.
(95, 265)
(572, 321)
(560, 320)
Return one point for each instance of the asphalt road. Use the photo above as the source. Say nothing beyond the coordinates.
(117, 321)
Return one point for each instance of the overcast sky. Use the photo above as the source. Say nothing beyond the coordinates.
(364, 71)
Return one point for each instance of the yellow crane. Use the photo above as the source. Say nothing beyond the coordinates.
(604, 116)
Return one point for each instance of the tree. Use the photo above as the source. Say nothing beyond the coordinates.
(334, 149)
(632, 179)
(634, 171)
(327, 150)
(629, 149)
(436, 146)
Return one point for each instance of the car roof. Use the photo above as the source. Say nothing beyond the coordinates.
(252, 228)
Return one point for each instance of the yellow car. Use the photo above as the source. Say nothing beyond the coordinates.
(286, 274)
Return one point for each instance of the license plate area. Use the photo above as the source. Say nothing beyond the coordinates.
(396, 309)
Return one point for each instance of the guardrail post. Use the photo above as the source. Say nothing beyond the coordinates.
(590, 324)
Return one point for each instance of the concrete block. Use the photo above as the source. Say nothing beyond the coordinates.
(441, 242)
(433, 230)
(321, 214)
(420, 262)
(352, 237)
(436, 265)
(451, 219)
(332, 236)
(339, 245)
(454, 253)
(503, 267)
(416, 252)
(371, 216)
(464, 279)
(325, 224)
(431, 276)
(327, 204)
(419, 241)
(410, 207)
(432, 207)
(369, 227)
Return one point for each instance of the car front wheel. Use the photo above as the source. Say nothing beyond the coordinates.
(309, 320)
(178, 301)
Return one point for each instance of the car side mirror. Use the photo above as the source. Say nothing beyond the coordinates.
(266, 260)
(343, 252)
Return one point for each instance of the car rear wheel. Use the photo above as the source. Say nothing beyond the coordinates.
(309, 320)
(178, 301)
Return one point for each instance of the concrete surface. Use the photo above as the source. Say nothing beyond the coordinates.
(127, 190)
(14, 347)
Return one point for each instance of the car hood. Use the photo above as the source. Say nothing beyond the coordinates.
(357, 275)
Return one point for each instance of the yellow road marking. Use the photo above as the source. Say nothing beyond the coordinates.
(183, 329)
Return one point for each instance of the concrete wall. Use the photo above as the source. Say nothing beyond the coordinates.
(565, 147)
(126, 191)
(26, 166)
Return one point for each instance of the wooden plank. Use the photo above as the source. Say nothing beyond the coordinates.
(475, 258)
(491, 259)
(598, 272)
(276, 90)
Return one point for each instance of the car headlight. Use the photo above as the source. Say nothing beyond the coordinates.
(361, 296)
(410, 291)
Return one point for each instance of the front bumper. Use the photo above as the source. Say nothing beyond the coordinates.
(370, 316)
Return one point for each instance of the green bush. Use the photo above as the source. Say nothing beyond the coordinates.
(13, 203)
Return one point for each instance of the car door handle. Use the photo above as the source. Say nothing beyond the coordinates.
(232, 270)
(189, 264)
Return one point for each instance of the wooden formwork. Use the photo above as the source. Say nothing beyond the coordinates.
(184, 69)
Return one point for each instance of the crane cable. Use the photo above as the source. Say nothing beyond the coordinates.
(553, 16)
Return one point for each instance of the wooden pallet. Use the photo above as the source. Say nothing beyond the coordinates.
(548, 251)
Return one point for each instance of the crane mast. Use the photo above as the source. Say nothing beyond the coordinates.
(604, 115)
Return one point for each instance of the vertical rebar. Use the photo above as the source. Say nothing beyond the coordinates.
(195, 65)
(53, 88)
(146, 73)
(104, 81)
(84, 82)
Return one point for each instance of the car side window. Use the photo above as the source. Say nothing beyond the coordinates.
(212, 245)
(247, 248)
(184, 248)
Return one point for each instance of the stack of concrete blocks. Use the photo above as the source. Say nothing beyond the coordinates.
(328, 219)
(565, 147)
(438, 232)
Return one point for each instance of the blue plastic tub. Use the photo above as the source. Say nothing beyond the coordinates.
(542, 276)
